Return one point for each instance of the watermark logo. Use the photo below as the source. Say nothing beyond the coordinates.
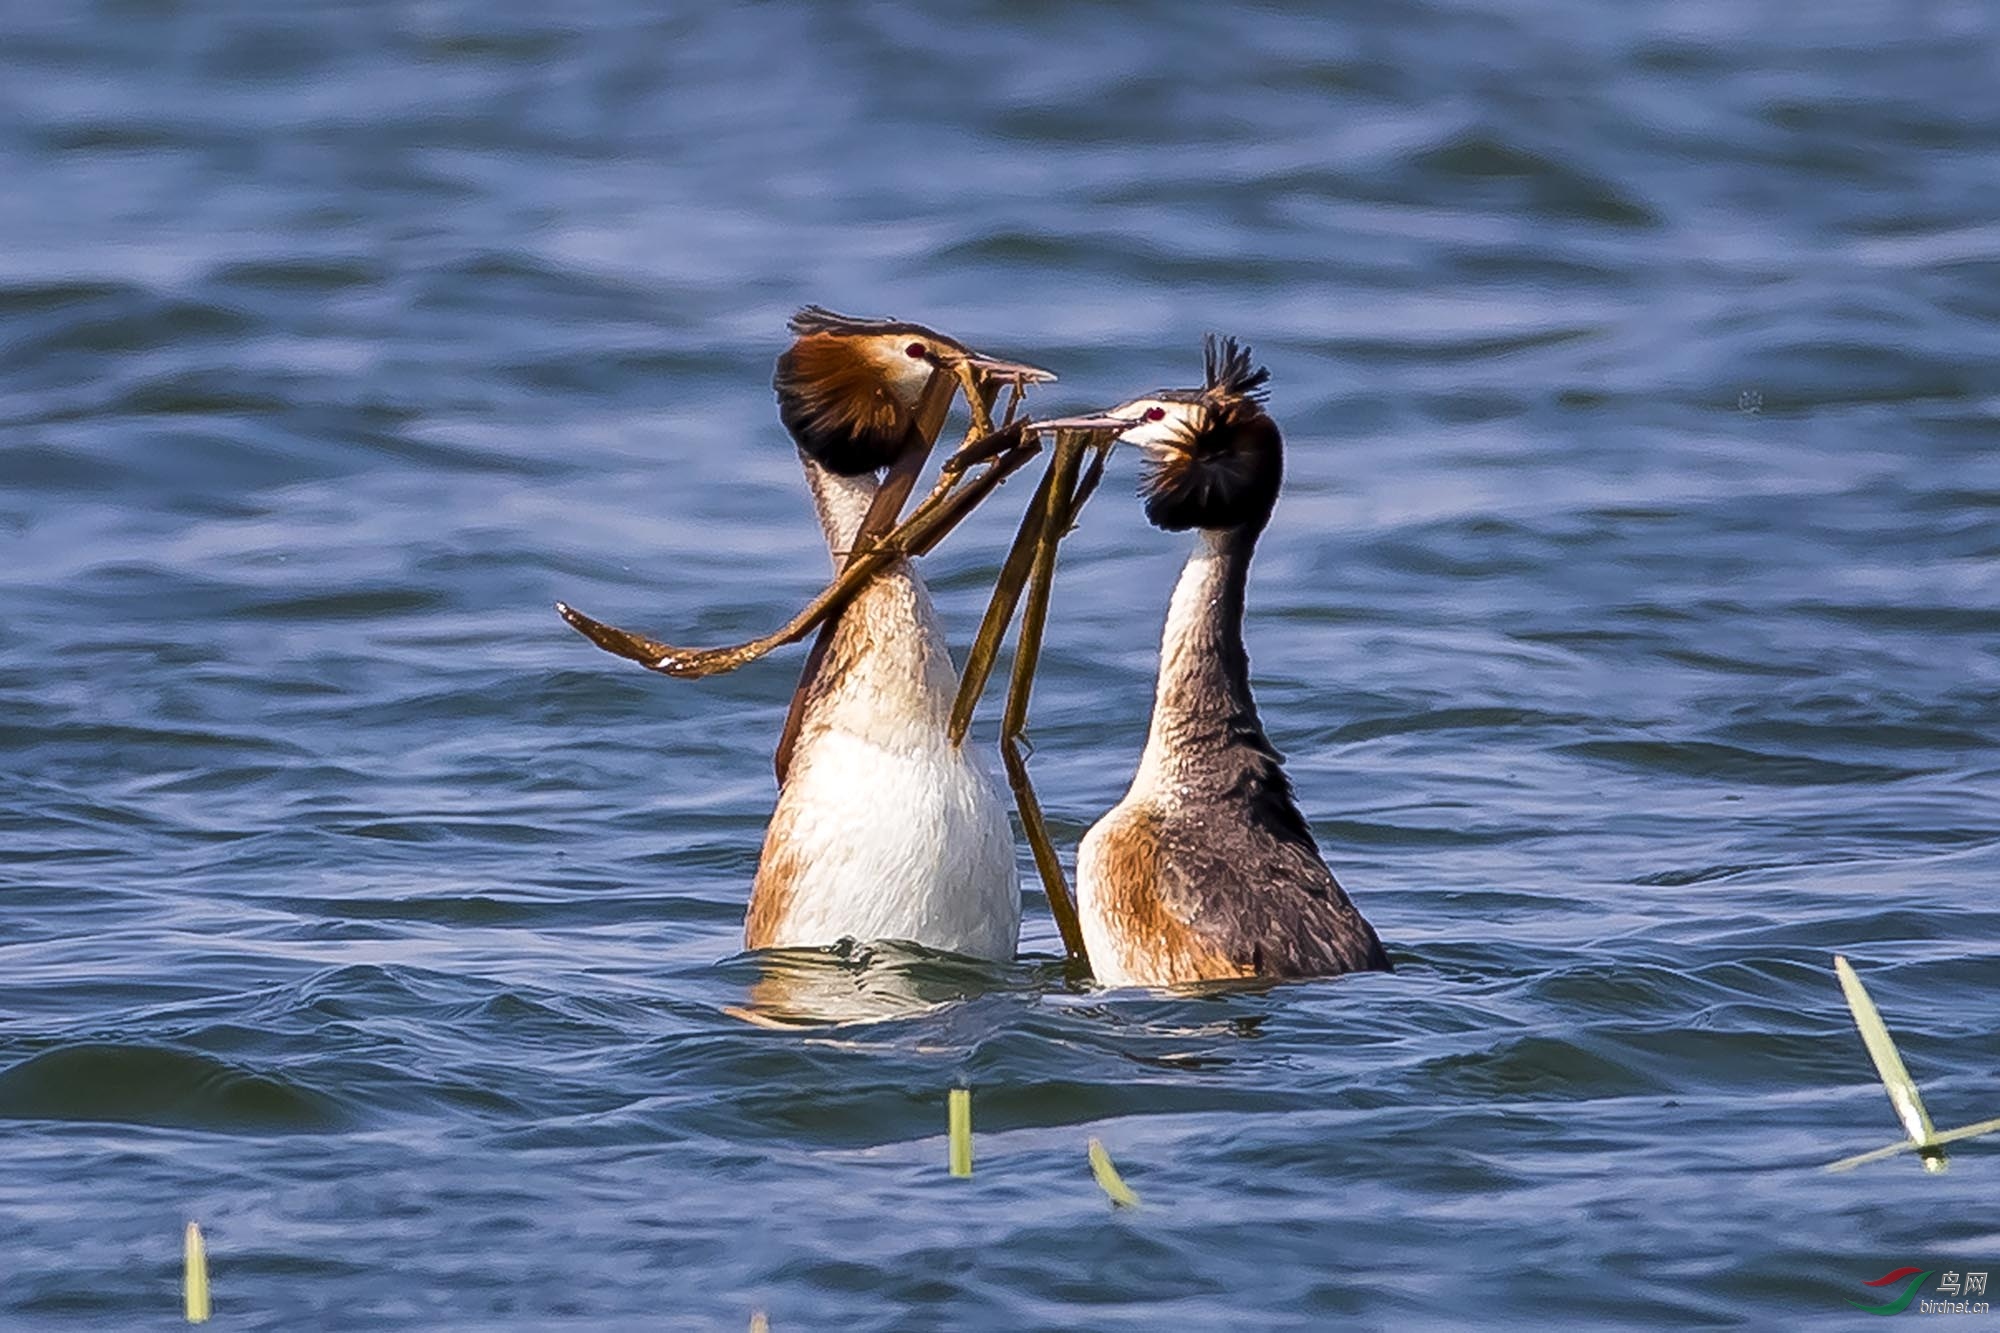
(1901, 1302)
(1955, 1291)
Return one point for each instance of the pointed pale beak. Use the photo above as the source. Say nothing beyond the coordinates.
(993, 368)
(1088, 421)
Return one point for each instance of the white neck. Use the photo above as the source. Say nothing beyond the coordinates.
(842, 503)
(888, 674)
(1187, 646)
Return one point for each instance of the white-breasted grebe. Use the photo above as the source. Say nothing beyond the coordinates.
(884, 828)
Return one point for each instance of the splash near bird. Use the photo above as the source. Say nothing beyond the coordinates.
(885, 828)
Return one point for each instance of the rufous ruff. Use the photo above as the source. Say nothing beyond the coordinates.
(883, 828)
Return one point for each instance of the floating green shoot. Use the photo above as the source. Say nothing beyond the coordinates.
(1938, 1140)
(194, 1264)
(1923, 1136)
(1108, 1179)
(960, 1103)
(1888, 1062)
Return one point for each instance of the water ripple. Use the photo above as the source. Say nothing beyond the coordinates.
(1628, 621)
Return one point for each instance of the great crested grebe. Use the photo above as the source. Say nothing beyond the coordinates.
(1206, 870)
(885, 829)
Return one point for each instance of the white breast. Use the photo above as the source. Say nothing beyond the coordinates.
(895, 844)
(884, 829)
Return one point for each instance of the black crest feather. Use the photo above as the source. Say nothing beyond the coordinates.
(1227, 363)
(1226, 474)
(818, 319)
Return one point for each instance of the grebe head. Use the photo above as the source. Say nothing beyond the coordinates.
(1215, 458)
(848, 388)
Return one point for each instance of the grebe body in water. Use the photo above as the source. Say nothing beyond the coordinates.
(884, 829)
(1206, 870)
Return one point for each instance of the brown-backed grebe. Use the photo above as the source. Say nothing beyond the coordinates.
(1206, 870)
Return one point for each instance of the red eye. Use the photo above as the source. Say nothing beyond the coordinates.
(1155, 413)
(915, 351)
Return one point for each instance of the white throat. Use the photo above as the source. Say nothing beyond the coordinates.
(842, 503)
(1200, 587)
(884, 829)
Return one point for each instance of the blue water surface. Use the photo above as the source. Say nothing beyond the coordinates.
(1631, 621)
